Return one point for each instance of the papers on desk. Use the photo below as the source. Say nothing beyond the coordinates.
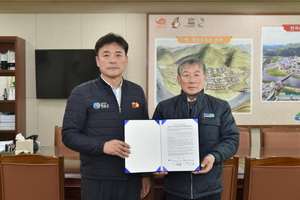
(162, 145)
(3, 143)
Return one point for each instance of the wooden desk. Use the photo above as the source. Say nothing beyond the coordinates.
(259, 152)
(242, 153)
(72, 172)
(73, 178)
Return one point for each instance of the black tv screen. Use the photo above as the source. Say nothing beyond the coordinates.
(59, 71)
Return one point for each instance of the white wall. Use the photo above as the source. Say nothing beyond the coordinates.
(70, 31)
(63, 31)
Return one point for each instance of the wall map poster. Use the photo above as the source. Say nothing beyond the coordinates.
(228, 59)
(253, 61)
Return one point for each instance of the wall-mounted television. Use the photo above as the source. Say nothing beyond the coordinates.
(58, 71)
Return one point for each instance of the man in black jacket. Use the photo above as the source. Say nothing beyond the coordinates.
(94, 126)
(218, 134)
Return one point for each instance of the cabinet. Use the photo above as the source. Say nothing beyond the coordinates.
(18, 105)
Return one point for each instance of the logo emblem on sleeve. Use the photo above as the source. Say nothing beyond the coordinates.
(135, 104)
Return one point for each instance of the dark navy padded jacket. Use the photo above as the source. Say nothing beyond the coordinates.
(93, 117)
(218, 135)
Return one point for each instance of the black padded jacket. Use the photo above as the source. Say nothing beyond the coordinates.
(218, 135)
(93, 117)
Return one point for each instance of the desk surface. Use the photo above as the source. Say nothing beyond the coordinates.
(263, 152)
(72, 162)
(72, 170)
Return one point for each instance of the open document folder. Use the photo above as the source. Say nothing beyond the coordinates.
(162, 145)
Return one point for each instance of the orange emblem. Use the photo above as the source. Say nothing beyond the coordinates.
(161, 21)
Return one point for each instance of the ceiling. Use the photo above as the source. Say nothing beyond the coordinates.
(144, 6)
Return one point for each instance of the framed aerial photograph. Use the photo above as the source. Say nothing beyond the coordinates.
(281, 63)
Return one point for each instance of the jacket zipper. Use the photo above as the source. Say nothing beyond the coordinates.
(190, 115)
(192, 195)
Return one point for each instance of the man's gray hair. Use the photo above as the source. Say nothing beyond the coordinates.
(191, 61)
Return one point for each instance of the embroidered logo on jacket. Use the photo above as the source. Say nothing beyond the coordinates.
(135, 104)
(98, 105)
(209, 115)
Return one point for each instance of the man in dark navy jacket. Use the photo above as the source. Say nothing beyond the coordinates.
(94, 126)
(218, 134)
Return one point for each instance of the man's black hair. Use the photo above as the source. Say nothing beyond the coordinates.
(110, 38)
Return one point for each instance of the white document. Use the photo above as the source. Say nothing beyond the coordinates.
(162, 145)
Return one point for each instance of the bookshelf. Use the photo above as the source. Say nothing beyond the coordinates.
(18, 104)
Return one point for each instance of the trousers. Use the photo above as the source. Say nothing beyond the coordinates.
(211, 197)
(111, 190)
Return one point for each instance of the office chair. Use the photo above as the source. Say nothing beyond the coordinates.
(245, 141)
(245, 136)
(60, 146)
(280, 136)
(229, 178)
(31, 176)
(275, 178)
(280, 141)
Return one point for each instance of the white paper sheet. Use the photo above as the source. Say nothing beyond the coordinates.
(180, 145)
(162, 145)
(144, 138)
